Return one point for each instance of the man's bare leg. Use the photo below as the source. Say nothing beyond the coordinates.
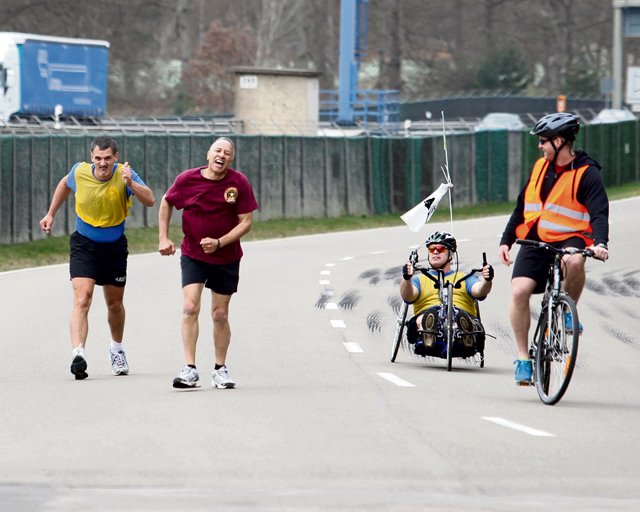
(192, 294)
(82, 297)
(519, 312)
(221, 329)
(113, 296)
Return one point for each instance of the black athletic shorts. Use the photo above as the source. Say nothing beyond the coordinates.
(534, 263)
(222, 279)
(105, 262)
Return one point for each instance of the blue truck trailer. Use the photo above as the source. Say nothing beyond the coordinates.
(45, 75)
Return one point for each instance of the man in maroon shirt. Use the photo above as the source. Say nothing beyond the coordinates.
(218, 203)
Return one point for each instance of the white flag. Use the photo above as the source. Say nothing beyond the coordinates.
(420, 214)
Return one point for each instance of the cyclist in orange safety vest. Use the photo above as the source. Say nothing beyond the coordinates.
(564, 203)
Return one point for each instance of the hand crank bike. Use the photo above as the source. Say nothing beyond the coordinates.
(446, 319)
(554, 349)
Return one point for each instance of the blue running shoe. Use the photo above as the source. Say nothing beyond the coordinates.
(568, 324)
(523, 373)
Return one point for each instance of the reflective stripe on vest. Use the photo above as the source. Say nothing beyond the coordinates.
(561, 216)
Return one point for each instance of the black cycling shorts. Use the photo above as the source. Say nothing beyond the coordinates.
(222, 279)
(534, 263)
(105, 262)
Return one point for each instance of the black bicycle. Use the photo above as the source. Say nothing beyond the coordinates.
(446, 314)
(554, 349)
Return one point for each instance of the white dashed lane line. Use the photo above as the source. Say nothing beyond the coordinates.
(518, 426)
(325, 272)
(394, 379)
(347, 258)
(339, 324)
(324, 281)
(330, 305)
(353, 347)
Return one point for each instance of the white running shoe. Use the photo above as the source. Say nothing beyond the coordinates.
(188, 378)
(119, 364)
(221, 379)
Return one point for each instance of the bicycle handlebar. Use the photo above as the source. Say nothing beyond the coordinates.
(568, 250)
(457, 284)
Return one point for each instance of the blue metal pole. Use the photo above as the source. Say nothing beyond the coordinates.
(347, 58)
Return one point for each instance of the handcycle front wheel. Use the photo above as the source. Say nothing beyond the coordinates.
(556, 354)
(449, 326)
(397, 337)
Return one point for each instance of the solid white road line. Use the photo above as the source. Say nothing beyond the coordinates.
(339, 324)
(353, 347)
(518, 426)
(396, 380)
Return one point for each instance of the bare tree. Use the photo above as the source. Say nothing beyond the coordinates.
(278, 20)
(209, 78)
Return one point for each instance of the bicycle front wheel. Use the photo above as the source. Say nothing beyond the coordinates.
(397, 336)
(449, 326)
(557, 352)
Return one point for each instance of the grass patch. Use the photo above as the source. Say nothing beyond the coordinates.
(53, 250)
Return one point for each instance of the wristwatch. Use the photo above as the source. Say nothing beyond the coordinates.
(603, 245)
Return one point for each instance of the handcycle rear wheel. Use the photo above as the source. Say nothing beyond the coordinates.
(449, 326)
(556, 356)
(397, 337)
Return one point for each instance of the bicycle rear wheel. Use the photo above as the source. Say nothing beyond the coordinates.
(556, 355)
(397, 336)
(449, 326)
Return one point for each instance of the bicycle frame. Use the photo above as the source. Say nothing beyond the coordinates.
(446, 312)
(554, 348)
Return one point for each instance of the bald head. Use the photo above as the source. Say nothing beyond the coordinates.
(225, 139)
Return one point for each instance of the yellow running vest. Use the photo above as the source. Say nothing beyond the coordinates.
(102, 204)
(429, 295)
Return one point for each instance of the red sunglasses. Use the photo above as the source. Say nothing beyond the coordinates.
(437, 249)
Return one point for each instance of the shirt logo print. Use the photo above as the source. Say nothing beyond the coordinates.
(231, 195)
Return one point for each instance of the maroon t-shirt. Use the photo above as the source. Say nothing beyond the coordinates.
(211, 210)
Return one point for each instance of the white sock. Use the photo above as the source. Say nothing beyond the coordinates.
(115, 347)
(79, 351)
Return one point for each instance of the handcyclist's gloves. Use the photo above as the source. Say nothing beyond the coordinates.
(407, 271)
(491, 274)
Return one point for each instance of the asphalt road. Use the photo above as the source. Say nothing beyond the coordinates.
(312, 424)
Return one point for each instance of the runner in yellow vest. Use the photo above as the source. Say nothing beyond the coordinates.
(104, 192)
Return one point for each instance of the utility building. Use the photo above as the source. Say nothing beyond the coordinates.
(277, 101)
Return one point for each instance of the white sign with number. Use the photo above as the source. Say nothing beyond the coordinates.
(633, 84)
(248, 82)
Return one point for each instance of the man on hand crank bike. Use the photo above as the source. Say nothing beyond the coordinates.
(564, 203)
(420, 291)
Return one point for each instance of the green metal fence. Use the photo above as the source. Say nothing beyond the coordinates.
(295, 177)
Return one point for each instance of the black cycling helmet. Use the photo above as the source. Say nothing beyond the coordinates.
(558, 125)
(442, 238)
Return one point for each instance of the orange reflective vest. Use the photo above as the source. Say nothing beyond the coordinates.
(561, 216)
